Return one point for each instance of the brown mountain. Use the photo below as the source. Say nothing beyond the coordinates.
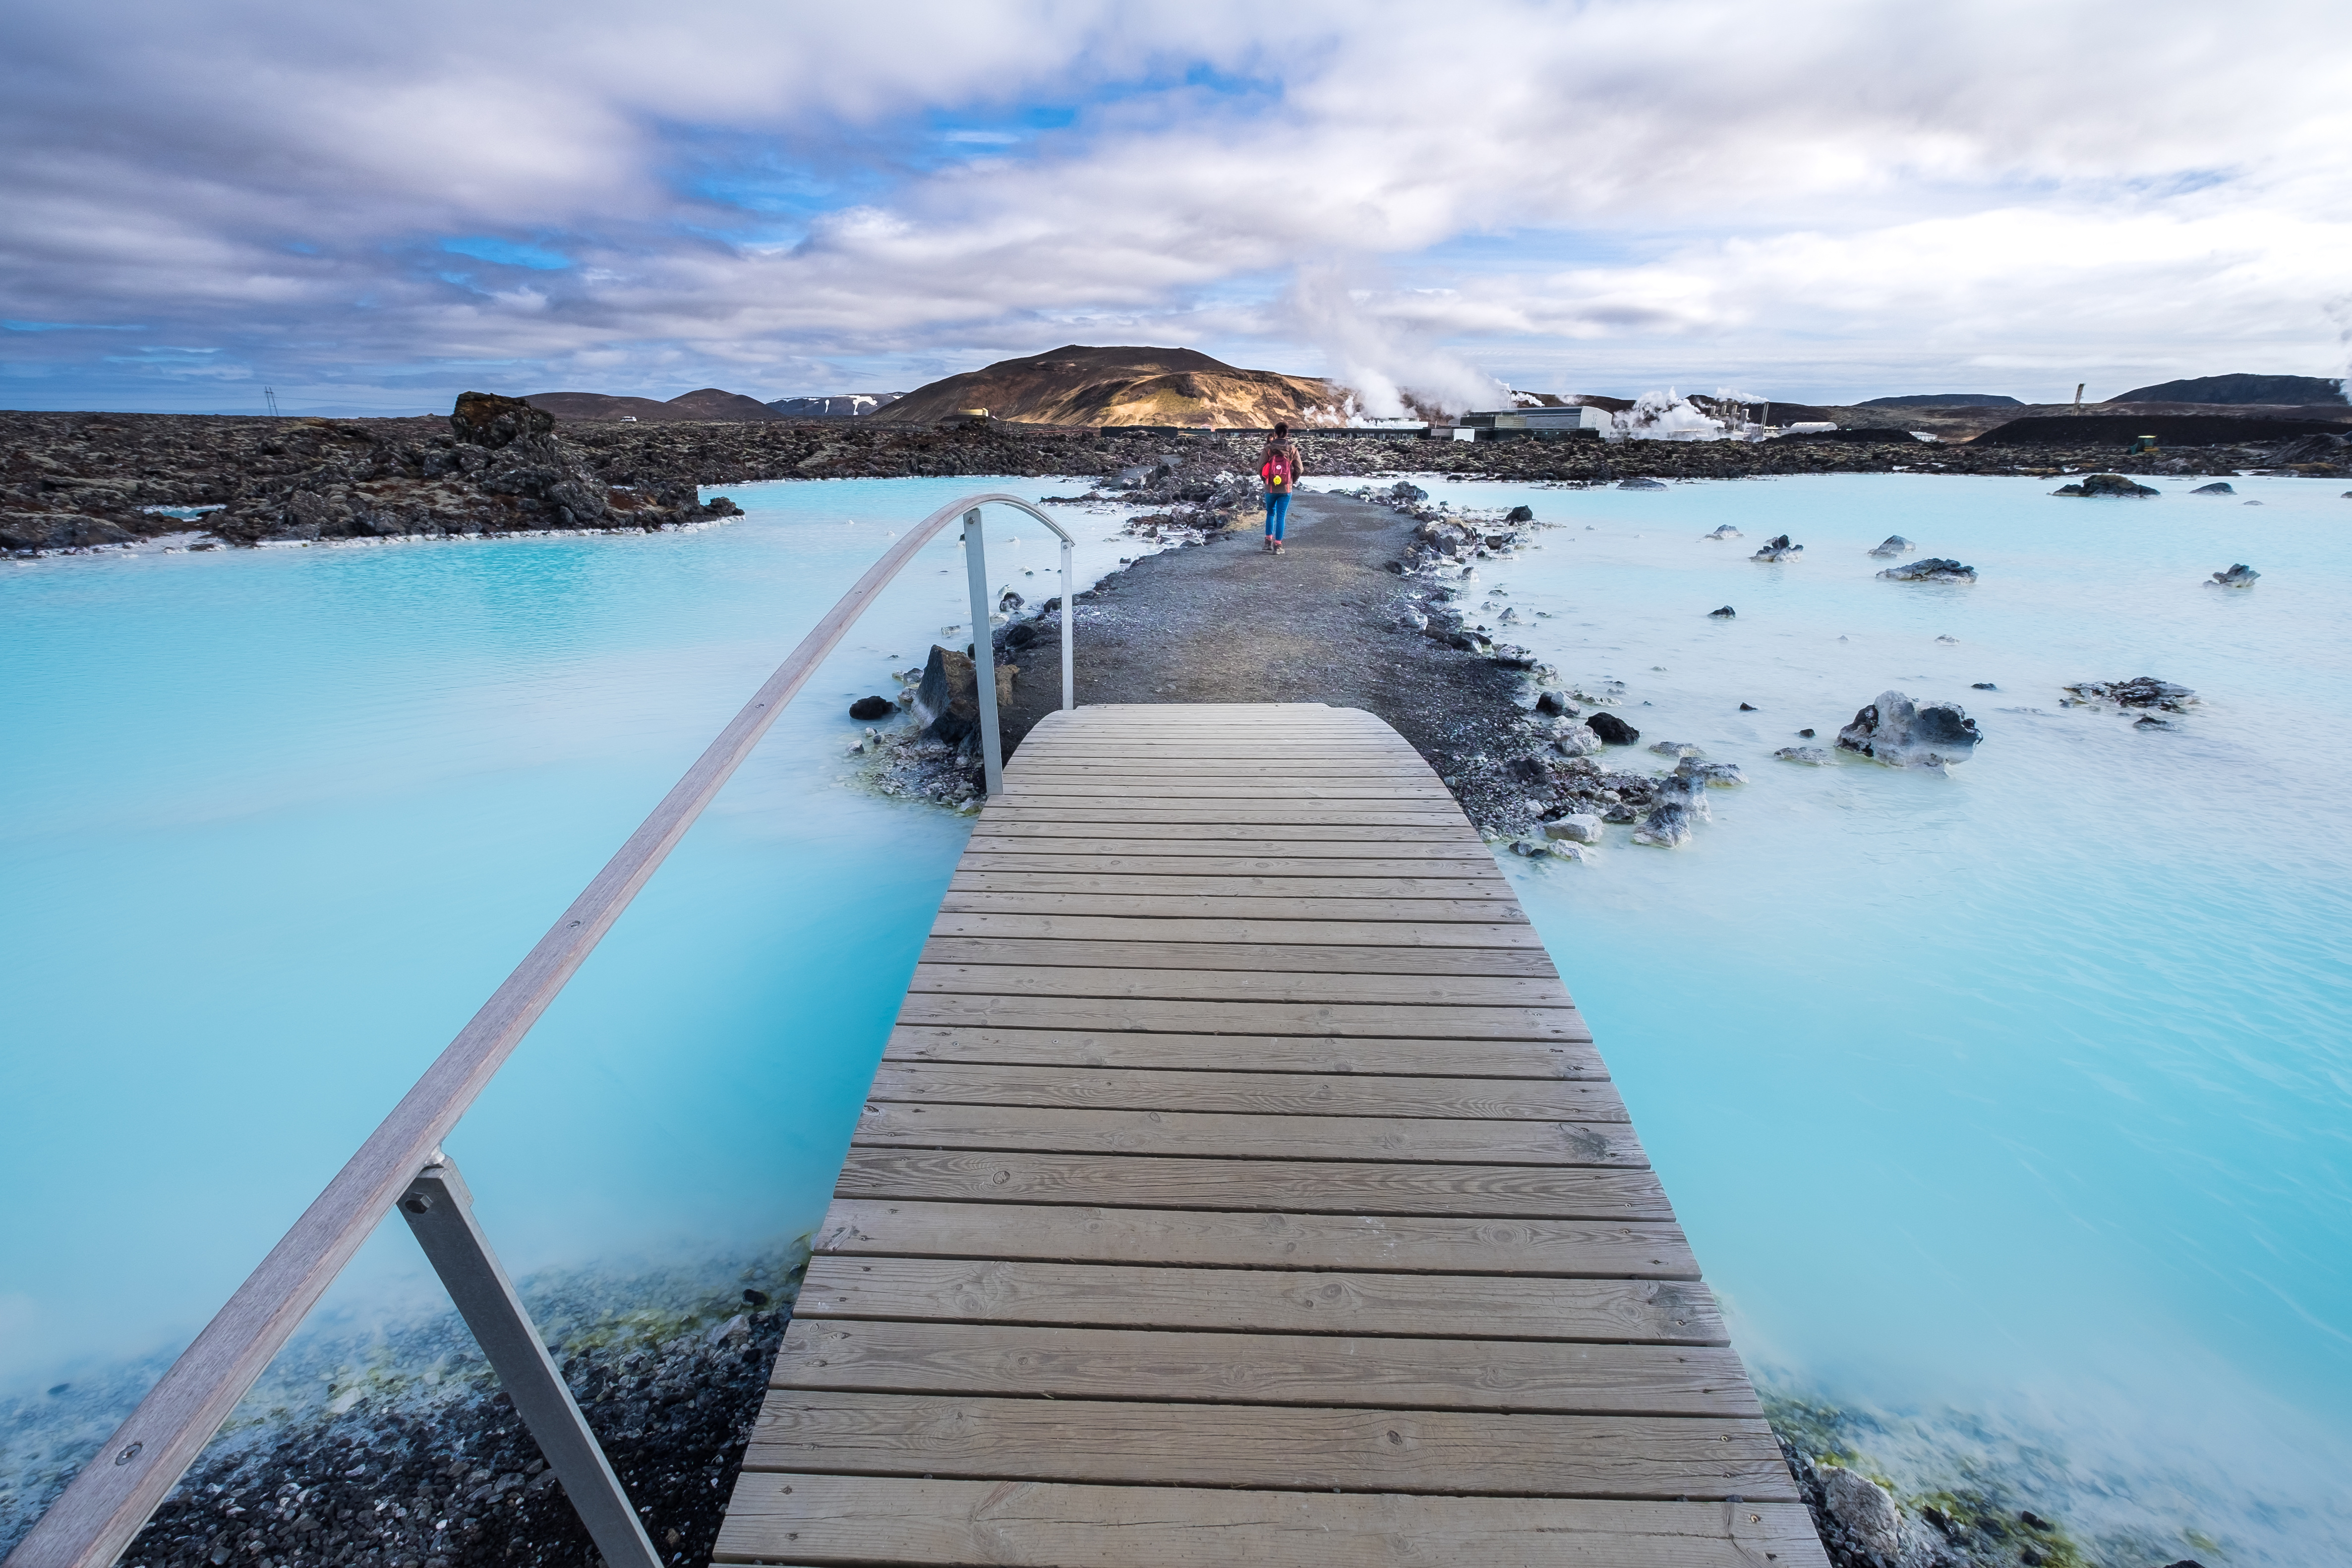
(1080, 385)
(708, 403)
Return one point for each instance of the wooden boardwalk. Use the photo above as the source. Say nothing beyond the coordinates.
(1240, 1187)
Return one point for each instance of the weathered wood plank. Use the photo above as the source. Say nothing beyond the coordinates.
(1423, 1244)
(1450, 837)
(1184, 983)
(1256, 930)
(1245, 1053)
(1250, 1093)
(1105, 1295)
(1322, 1186)
(1342, 788)
(1123, 1441)
(1270, 1369)
(794, 1517)
(1383, 1021)
(1325, 959)
(1224, 1136)
(1175, 883)
(996, 846)
(1367, 863)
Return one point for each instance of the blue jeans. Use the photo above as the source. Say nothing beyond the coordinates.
(1278, 508)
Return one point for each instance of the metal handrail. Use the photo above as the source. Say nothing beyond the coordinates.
(94, 1519)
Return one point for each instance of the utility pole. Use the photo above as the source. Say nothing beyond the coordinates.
(271, 399)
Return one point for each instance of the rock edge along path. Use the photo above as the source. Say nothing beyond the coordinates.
(1320, 622)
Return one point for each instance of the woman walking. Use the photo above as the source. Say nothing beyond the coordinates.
(1279, 466)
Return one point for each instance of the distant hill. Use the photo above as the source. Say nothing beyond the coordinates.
(844, 405)
(708, 403)
(1131, 385)
(2286, 391)
(2169, 429)
(1942, 400)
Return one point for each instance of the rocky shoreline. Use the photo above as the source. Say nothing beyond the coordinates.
(74, 482)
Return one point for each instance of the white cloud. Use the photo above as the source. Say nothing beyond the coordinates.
(1843, 190)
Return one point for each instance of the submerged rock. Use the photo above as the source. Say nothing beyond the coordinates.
(1778, 549)
(2140, 691)
(1554, 703)
(1865, 1510)
(1726, 532)
(1667, 827)
(2218, 488)
(1613, 730)
(1575, 740)
(1899, 732)
(1638, 483)
(2111, 484)
(1815, 755)
(1726, 613)
(1894, 544)
(2239, 576)
(1933, 569)
(1675, 749)
(1521, 515)
(1579, 826)
(872, 708)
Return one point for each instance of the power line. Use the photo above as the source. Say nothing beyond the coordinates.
(271, 398)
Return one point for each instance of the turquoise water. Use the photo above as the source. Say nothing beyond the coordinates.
(2011, 1106)
(274, 823)
(2015, 1102)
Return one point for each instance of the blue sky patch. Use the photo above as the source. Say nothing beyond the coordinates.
(507, 253)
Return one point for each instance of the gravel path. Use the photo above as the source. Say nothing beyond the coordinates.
(1225, 622)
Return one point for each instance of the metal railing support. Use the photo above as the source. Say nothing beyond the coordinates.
(983, 657)
(1069, 638)
(440, 1214)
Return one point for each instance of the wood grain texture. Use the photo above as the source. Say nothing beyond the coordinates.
(1241, 1185)
(1362, 1186)
(1264, 1369)
(786, 1517)
(1244, 1052)
(1404, 1244)
(1107, 1295)
(1223, 1135)
(1256, 1094)
(1461, 1452)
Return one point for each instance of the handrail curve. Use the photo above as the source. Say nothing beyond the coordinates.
(94, 1519)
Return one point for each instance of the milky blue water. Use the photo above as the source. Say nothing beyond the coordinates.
(2011, 1105)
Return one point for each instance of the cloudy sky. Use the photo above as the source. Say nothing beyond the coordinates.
(369, 207)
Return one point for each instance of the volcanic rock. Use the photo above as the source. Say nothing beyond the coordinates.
(2109, 485)
(1726, 532)
(1933, 569)
(1726, 613)
(1612, 729)
(1778, 549)
(2239, 576)
(1640, 484)
(947, 702)
(1894, 544)
(1899, 732)
(869, 708)
(2140, 691)
(2218, 488)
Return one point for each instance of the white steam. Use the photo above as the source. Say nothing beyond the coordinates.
(1391, 370)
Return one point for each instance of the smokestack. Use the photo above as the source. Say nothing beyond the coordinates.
(2078, 395)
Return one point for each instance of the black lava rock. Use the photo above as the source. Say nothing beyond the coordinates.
(1747, 707)
(1726, 613)
(1552, 703)
(872, 708)
(1521, 515)
(1612, 730)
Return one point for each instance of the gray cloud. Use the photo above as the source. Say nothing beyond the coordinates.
(778, 197)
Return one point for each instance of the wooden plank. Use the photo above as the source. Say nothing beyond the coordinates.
(1294, 957)
(1243, 1053)
(1385, 936)
(1425, 1244)
(794, 1517)
(1104, 1295)
(1379, 1021)
(1251, 1093)
(1449, 838)
(1237, 985)
(1340, 785)
(1368, 860)
(1179, 883)
(1463, 1452)
(1132, 845)
(1225, 1136)
(1229, 907)
(1320, 1186)
(1267, 1369)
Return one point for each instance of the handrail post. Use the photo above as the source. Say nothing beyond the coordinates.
(1069, 654)
(983, 657)
(440, 1211)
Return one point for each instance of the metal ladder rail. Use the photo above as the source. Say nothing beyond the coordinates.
(401, 1164)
